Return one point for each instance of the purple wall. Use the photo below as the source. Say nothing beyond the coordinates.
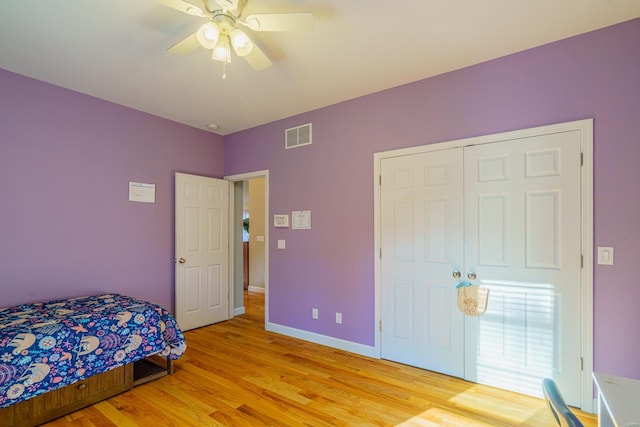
(66, 225)
(67, 229)
(331, 267)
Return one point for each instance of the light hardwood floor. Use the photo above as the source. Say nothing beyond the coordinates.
(236, 374)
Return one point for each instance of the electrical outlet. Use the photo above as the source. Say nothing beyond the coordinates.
(339, 318)
(314, 313)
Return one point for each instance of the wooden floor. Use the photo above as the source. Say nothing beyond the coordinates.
(236, 374)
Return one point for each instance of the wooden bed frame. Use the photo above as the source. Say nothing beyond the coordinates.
(85, 392)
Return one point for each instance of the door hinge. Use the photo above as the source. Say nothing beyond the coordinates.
(581, 364)
(380, 180)
(380, 326)
(581, 159)
(380, 253)
(581, 261)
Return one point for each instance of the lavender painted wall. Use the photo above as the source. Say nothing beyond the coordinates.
(331, 267)
(66, 225)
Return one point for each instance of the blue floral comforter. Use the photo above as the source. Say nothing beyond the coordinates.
(45, 346)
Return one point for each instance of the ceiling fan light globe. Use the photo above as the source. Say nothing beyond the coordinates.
(208, 35)
(222, 51)
(219, 54)
(241, 43)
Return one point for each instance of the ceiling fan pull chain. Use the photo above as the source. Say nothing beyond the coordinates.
(224, 70)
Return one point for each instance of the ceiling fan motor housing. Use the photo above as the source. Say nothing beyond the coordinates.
(235, 6)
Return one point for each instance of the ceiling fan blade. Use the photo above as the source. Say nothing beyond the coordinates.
(296, 21)
(185, 46)
(257, 59)
(183, 6)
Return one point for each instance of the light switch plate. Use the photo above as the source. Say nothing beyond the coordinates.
(605, 255)
(282, 244)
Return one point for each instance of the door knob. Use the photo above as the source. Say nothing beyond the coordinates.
(472, 276)
(182, 260)
(456, 274)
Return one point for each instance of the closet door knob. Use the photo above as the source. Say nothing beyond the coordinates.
(456, 274)
(472, 276)
(182, 260)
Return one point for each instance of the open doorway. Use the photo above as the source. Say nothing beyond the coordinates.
(253, 225)
(250, 241)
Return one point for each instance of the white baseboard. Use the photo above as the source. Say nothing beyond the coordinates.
(352, 347)
(238, 311)
(259, 289)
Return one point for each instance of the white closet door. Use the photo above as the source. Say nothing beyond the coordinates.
(522, 240)
(422, 220)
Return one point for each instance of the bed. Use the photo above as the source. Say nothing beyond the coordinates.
(85, 348)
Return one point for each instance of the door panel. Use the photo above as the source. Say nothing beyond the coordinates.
(192, 290)
(402, 310)
(522, 239)
(440, 334)
(493, 229)
(202, 279)
(542, 211)
(217, 292)
(422, 241)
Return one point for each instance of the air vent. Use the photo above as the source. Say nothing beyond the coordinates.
(297, 136)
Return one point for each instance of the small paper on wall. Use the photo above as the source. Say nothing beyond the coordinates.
(141, 192)
(281, 221)
(301, 220)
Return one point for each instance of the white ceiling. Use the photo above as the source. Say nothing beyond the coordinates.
(116, 50)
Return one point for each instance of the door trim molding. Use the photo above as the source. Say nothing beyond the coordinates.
(585, 127)
(244, 177)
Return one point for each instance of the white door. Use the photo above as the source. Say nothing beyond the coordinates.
(202, 250)
(422, 222)
(521, 222)
(522, 241)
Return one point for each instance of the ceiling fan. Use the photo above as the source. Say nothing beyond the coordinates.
(223, 30)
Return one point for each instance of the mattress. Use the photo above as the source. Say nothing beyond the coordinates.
(48, 345)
